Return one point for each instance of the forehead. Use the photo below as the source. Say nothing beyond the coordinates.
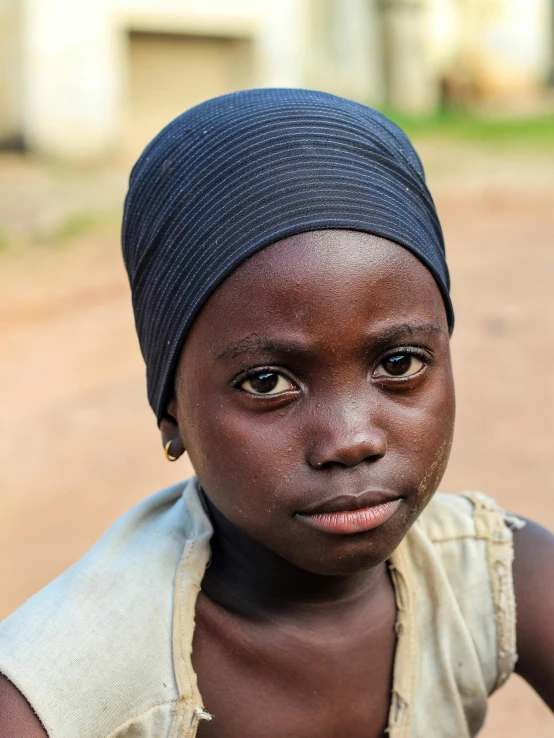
(323, 282)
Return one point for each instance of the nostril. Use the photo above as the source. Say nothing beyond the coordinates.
(344, 463)
(331, 465)
(329, 452)
(325, 465)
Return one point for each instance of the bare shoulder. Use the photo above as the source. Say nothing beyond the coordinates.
(16, 715)
(534, 590)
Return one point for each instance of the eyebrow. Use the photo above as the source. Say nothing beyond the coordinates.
(407, 330)
(256, 343)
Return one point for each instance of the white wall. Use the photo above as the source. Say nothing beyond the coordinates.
(345, 49)
(516, 44)
(443, 33)
(70, 96)
(74, 70)
(10, 71)
(506, 45)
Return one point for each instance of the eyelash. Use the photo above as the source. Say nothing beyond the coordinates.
(418, 351)
(247, 374)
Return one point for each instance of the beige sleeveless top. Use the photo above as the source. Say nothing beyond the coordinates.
(105, 650)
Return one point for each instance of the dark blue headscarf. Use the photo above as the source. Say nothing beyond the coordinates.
(242, 171)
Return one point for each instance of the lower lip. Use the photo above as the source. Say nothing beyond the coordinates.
(352, 521)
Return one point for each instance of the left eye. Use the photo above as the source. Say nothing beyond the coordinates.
(399, 365)
(266, 383)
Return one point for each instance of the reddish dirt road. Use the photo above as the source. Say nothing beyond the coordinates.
(80, 444)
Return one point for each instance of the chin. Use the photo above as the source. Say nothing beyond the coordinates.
(353, 559)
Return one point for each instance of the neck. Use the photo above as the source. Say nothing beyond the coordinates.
(246, 577)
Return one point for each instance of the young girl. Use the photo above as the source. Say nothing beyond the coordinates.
(292, 303)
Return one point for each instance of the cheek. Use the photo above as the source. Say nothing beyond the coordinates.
(424, 437)
(239, 459)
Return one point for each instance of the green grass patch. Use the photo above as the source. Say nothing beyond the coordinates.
(466, 126)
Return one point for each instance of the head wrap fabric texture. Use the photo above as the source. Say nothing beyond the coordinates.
(240, 172)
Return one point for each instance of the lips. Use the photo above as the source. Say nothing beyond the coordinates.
(341, 503)
(349, 514)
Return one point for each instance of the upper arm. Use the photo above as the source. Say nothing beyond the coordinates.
(16, 715)
(534, 590)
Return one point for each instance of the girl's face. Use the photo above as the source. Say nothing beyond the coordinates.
(317, 379)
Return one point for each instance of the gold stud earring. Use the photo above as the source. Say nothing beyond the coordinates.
(168, 456)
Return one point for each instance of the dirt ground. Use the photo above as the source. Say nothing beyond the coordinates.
(79, 442)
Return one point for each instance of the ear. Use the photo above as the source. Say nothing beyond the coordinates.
(171, 437)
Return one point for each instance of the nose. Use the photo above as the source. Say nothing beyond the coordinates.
(346, 439)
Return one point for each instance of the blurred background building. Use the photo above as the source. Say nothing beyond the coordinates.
(81, 79)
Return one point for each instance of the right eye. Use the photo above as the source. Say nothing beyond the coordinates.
(266, 383)
(401, 366)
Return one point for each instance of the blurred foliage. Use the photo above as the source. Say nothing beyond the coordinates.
(74, 225)
(466, 126)
(76, 228)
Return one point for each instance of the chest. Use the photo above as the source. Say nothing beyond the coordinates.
(287, 680)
